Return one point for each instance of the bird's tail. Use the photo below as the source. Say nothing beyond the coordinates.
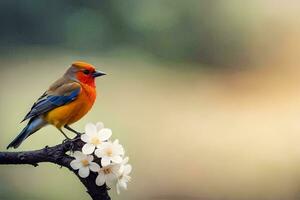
(33, 125)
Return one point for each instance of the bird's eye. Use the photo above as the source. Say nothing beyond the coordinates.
(86, 71)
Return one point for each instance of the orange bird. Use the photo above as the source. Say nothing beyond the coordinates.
(66, 101)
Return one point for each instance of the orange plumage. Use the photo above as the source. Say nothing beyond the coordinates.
(66, 101)
(74, 111)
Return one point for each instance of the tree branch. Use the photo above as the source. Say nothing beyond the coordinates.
(57, 155)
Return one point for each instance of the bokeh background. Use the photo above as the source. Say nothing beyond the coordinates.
(204, 95)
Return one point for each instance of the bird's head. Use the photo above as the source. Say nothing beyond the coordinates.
(84, 73)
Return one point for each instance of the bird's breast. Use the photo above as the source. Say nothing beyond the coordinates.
(74, 111)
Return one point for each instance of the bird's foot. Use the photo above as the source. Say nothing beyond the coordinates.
(78, 134)
(72, 130)
(66, 140)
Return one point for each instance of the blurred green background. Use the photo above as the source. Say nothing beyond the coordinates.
(204, 95)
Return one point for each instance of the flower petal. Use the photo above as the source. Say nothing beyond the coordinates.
(78, 155)
(104, 145)
(100, 180)
(110, 178)
(105, 134)
(121, 169)
(122, 184)
(90, 158)
(127, 169)
(76, 164)
(125, 160)
(126, 178)
(119, 149)
(90, 129)
(94, 167)
(99, 126)
(85, 137)
(98, 153)
(88, 148)
(117, 159)
(116, 141)
(84, 172)
(116, 169)
(105, 161)
(118, 188)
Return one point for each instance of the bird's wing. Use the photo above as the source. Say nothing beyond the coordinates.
(51, 99)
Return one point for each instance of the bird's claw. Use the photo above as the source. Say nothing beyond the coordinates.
(66, 140)
(78, 134)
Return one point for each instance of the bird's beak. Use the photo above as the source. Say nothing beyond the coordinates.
(98, 73)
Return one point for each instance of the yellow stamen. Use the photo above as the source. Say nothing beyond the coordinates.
(95, 141)
(107, 170)
(109, 152)
(85, 162)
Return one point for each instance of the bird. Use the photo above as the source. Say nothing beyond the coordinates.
(65, 102)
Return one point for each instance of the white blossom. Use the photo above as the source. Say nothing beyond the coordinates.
(94, 136)
(123, 177)
(110, 152)
(108, 174)
(84, 164)
(115, 169)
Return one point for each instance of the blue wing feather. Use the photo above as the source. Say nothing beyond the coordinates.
(50, 102)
